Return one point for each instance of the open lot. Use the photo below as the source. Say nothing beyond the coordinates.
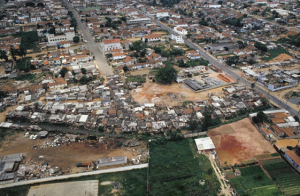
(78, 188)
(65, 156)
(169, 94)
(238, 142)
(286, 142)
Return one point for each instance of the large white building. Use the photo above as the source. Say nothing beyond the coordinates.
(152, 37)
(54, 39)
(178, 39)
(204, 144)
(180, 30)
(162, 14)
(110, 44)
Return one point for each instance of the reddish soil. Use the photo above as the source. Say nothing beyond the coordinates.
(239, 141)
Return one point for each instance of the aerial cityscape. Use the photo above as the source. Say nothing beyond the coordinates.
(149, 98)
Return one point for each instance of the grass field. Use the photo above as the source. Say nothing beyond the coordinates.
(253, 181)
(176, 168)
(274, 53)
(15, 191)
(283, 175)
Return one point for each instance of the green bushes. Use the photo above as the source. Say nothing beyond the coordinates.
(138, 78)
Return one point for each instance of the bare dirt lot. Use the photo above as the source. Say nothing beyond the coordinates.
(286, 142)
(238, 142)
(281, 58)
(65, 156)
(169, 94)
(79, 188)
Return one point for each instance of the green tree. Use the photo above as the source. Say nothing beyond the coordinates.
(13, 53)
(232, 60)
(242, 44)
(260, 117)
(73, 23)
(181, 63)
(193, 123)
(22, 52)
(166, 75)
(85, 80)
(143, 53)
(83, 70)
(101, 129)
(260, 46)
(3, 55)
(123, 18)
(63, 71)
(125, 68)
(73, 73)
(76, 39)
(265, 101)
(52, 30)
(138, 46)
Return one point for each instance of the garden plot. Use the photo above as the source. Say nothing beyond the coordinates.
(253, 181)
(283, 175)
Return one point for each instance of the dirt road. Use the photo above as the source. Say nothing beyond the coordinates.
(225, 189)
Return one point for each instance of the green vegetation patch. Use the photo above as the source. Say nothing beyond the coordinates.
(275, 154)
(137, 78)
(283, 175)
(15, 191)
(176, 169)
(30, 77)
(29, 40)
(254, 181)
(274, 53)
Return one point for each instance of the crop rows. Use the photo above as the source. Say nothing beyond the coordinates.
(283, 175)
(253, 181)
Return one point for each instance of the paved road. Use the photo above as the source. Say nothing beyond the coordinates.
(118, 169)
(226, 69)
(100, 60)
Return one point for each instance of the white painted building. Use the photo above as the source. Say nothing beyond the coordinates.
(152, 37)
(180, 30)
(162, 14)
(118, 56)
(178, 39)
(54, 39)
(204, 144)
(110, 44)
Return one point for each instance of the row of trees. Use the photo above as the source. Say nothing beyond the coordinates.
(14, 53)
